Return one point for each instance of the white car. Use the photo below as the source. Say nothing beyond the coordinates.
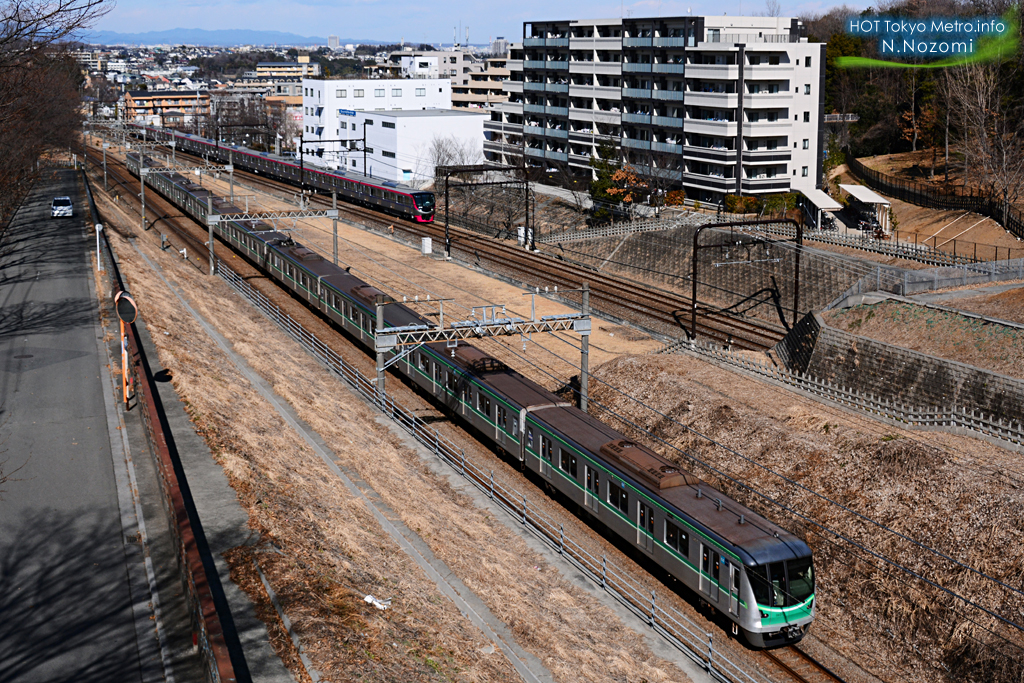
(61, 207)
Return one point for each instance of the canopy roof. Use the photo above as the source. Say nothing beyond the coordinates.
(822, 200)
(864, 194)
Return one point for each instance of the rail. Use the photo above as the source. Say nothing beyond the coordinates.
(208, 633)
(672, 625)
(942, 418)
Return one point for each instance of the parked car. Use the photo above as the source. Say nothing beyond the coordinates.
(61, 208)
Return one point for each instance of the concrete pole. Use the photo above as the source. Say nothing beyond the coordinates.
(142, 181)
(585, 352)
(231, 174)
(173, 146)
(209, 212)
(334, 205)
(380, 354)
(105, 145)
(99, 259)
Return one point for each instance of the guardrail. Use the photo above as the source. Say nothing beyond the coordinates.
(672, 625)
(942, 418)
(207, 630)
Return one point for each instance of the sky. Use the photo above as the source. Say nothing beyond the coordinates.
(413, 20)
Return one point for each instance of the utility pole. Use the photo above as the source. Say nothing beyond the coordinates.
(209, 212)
(334, 205)
(231, 173)
(142, 182)
(380, 353)
(105, 145)
(364, 149)
(585, 351)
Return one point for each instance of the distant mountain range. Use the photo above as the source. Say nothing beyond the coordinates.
(220, 38)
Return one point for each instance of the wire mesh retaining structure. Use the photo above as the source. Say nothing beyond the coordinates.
(959, 198)
(675, 627)
(944, 418)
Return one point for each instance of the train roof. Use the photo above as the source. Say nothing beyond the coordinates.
(759, 538)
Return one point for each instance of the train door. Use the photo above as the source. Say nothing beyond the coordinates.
(592, 490)
(500, 424)
(436, 376)
(705, 569)
(716, 574)
(545, 456)
(645, 527)
(731, 578)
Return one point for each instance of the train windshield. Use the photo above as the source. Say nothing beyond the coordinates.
(783, 584)
(424, 200)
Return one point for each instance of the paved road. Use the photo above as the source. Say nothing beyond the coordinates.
(65, 602)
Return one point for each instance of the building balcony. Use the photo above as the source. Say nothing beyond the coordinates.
(674, 41)
(636, 118)
(557, 111)
(556, 133)
(768, 72)
(557, 65)
(534, 87)
(595, 43)
(579, 160)
(556, 156)
(493, 125)
(723, 129)
(708, 182)
(636, 144)
(534, 152)
(514, 64)
(766, 156)
(533, 42)
(775, 184)
(666, 148)
(669, 68)
(728, 72)
(534, 108)
(669, 121)
(723, 156)
(636, 67)
(637, 42)
(533, 130)
(512, 86)
(556, 87)
(637, 93)
(720, 100)
(556, 42)
(673, 95)
(669, 173)
(764, 99)
(512, 107)
(766, 127)
(534, 64)
(605, 92)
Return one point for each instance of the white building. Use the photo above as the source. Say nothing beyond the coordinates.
(717, 105)
(401, 145)
(425, 66)
(333, 111)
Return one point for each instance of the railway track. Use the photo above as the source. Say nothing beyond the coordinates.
(800, 666)
(661, 312)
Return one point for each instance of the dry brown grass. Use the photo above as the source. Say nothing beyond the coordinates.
(333, 550)
(991, 346)
(944, 491)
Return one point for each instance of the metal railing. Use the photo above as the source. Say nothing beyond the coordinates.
(959, 198)
(673, 626)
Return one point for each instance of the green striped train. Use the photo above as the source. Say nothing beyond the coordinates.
(753, 572)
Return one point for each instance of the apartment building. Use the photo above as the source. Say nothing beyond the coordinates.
(330, 106)
(485, 88)
(715, 105)
(300, 68)
(158, 107)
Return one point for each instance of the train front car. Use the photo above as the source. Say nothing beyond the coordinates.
(781, 592)
(424, 201)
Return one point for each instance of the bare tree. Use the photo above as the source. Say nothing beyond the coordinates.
(772, 8)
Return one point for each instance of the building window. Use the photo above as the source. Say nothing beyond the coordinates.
(343, 124)
(387, 124)
(807, 117)
(389, 155)
(368, 122)
(807, 61)
(807, 143)
(397, 92)
(342, 93)
(379, 92)
(807, 88)
(369, 150)
(803, 171)
(421, 92)
(357, 93)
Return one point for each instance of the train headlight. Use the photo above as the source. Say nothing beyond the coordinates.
(764, 615)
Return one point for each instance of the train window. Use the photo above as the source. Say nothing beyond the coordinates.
(777, 580)
(424, 363)
(451, 381)
(545, 448)
(515, 426)
(677, 539)
(645, 517)
(801, 579)
(502, 417)
(487, 407)
(759, 584)
(618, 497)
(567, 462)
(529, 437)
